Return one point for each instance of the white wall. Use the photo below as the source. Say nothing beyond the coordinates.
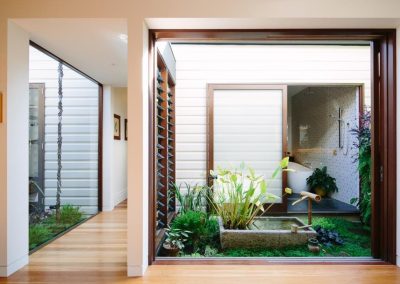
(14, 218)
(198, 65)
(119, 98)
(114, 151)
(80, 133)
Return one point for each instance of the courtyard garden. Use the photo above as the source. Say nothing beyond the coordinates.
(232, 219)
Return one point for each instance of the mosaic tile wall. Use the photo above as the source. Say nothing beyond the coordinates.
(315, 134)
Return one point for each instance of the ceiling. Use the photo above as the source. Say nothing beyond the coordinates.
(94, 46)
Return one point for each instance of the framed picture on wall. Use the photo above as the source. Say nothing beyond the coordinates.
(117, 127)
(126, 128)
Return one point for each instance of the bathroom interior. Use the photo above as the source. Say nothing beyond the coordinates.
(320, 123)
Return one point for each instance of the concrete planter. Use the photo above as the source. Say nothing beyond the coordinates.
(269, 238)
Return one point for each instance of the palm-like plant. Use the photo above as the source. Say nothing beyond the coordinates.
(191, 198)
(240, 195)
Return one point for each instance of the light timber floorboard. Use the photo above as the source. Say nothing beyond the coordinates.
(95, 252)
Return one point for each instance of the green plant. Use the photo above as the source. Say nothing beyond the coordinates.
(176, 238)
(239, 195)
(68, 215)
(204, 230)
(192, 199)
(363, 144)
(321, 179)
(38, 234)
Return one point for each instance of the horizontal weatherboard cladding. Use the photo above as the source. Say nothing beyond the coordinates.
(80, 131)
(199, 65)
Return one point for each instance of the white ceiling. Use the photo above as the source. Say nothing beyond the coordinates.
(93, 46)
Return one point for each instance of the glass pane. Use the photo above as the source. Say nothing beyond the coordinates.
(248, 129)
(63, 147)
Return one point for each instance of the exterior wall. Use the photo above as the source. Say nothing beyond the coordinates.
(80, 133)
(317, 108)
(173, 14)
(198, 65)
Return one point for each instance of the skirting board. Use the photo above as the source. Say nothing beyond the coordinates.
(6, 271)
(136, 270)
(121, 196)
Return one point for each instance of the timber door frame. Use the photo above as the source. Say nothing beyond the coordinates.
(279, 207)
(383, 69)
(41, 87)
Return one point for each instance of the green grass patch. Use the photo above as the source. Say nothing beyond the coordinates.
(49, 228)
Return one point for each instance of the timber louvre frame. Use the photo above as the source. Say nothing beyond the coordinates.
(383, 66)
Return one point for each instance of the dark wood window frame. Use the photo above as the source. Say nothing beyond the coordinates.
(41, 109)
(383, 69)
(279, 207)
(100, 119)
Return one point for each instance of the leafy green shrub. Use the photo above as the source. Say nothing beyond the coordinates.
(38, 234)
(204, 230)
(176, 238)
(363, 135)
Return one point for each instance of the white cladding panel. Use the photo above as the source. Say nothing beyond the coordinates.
(79, 128)
(199, 65)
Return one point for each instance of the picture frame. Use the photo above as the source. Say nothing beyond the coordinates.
(126, 129)
(1, 107)
(117, 127)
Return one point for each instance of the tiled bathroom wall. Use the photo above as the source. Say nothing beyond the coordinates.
(315, 134)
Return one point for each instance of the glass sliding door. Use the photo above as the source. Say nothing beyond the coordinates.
(248, 125)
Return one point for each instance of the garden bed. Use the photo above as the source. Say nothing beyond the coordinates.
(356, 239)
(47, 228)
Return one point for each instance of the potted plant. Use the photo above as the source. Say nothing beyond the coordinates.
(175, 240)
(321, 182)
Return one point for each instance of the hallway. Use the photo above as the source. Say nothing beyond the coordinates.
(95, 252)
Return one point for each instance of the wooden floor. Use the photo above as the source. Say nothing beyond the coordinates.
(95, 252)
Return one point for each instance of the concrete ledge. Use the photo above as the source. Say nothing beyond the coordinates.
(267, 238)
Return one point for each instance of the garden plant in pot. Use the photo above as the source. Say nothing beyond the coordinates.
(321, 182)
(175, 240)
